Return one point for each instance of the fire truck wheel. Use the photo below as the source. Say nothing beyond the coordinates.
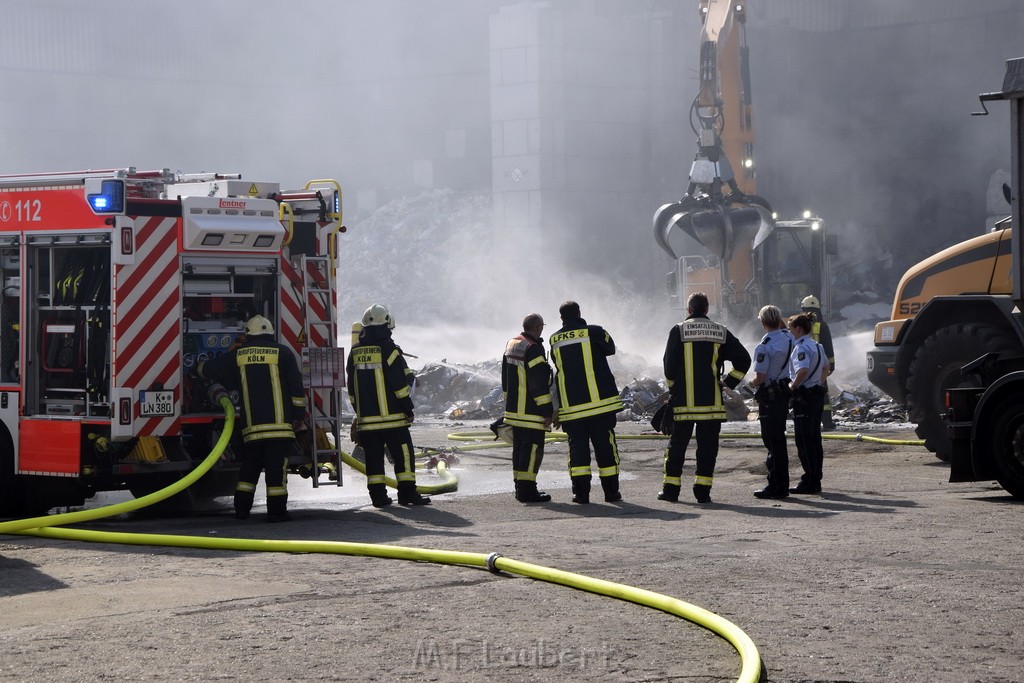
(197, 497)
(936, 367)
(1007, 446)
(12, 493)
(178, 503)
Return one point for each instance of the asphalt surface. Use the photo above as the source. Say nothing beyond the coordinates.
(891, 574)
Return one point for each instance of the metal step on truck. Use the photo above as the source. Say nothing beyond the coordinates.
(116, 283)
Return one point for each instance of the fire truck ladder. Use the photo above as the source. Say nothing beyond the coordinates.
(326, 370)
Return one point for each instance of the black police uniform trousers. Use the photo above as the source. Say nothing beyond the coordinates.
(599, 429)
(707, 447)
(807, 409)
(527, 456)
(269, 456)
(772, 412)
(398, 441)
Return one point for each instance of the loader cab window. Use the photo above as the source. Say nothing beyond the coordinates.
(68, 316)
(10, 315)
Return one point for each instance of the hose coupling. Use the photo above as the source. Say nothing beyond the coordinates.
(216, 393)
(492, 560)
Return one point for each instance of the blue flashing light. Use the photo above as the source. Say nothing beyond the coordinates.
(110, 198)
(337, 202)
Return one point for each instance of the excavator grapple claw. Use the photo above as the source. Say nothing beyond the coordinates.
(718, 228)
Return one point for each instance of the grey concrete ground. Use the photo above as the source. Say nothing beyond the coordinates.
(891, 574)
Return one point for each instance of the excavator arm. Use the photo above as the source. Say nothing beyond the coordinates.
(720, 210)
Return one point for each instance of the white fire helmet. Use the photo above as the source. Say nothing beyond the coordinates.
(258, 325)
(378, 314)
(810, 302)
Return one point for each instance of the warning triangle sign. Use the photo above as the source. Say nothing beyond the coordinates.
(253, 190)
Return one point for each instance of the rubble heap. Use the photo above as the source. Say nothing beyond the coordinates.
(473, 392)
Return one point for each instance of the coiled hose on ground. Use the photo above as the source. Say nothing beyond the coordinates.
(46, 527)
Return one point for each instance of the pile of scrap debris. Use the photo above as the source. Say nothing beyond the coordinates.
(463, 392)
(473, 392)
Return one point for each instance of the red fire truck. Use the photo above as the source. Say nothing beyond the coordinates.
(116, 283)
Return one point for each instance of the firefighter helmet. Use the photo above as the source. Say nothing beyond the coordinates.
(258, 325)
(810, 302)
(378, 314)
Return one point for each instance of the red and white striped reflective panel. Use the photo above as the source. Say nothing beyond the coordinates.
(290, 282)
(146, 322)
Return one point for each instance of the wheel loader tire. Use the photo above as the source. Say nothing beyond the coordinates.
(1007, 445)
(936, 368)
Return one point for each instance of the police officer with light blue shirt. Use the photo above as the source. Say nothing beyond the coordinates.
(809, 367)
(771, 381)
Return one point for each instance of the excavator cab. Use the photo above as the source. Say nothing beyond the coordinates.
(795, 260)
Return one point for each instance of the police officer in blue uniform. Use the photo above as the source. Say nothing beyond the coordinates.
(771, 382)
(809, 367)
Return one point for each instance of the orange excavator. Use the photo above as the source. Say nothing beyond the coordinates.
(745, 257)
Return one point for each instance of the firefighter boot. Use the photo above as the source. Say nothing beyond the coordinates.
(827, 423)
(277, 509)
(610, 484)
(408, 495)
(243, 504)
(379, 495)
(526, 492)
(702, 492)
(669, 492)
(581, 489)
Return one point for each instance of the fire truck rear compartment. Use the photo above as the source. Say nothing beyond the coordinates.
(217, 298)
(69, 310)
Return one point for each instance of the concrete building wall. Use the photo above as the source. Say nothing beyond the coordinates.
(576, 91)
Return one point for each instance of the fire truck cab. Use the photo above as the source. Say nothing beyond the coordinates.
(115, 285)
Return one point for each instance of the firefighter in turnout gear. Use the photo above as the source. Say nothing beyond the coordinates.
(274, 405)
(771, 381)
(694, 358)
(587, 401)
(823, 335)
(809, 368)
(379, 383)
(526, 384)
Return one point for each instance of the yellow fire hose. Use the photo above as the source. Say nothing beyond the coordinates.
(450, 483)
(44, 527)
